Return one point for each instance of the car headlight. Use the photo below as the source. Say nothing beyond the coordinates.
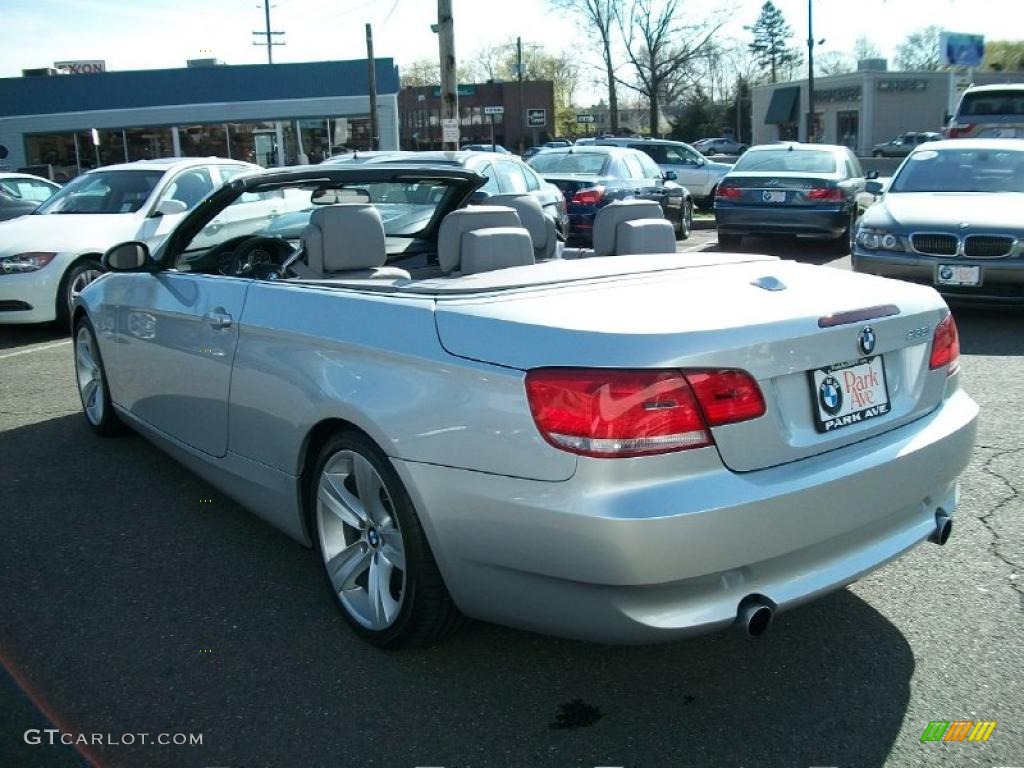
(25, 262)
(880, 240)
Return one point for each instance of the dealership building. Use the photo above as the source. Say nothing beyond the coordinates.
(859, 109)
(280, 114)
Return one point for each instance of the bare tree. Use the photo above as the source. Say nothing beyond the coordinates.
(422, 72)
(662, 51)
(919, 52)
(833, 63)
(864, 48)
(599, 16)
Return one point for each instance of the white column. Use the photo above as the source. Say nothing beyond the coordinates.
(175, 141)
(279, 135)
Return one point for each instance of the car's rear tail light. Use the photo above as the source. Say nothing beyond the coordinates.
(726, 396)
(728, 192)
(615, 414)
(946, 346)
(826, 195)
(589, 196)
(959, 131)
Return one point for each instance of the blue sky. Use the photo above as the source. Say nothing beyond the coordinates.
(164, 33)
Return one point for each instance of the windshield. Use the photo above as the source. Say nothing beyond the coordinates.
(104, 192)
(787, 161)
(961, 170)
(1008, 102)
(569, 162)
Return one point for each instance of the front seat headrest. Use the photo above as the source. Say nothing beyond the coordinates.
(344, 237)
(607, 221)
(457, 223)
(531, 214)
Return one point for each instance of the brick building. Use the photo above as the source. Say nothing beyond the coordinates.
(419, 111)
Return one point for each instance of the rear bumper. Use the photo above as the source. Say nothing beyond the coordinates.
(1002, 281)
(597, 558)
(29, 297)
(763, 220)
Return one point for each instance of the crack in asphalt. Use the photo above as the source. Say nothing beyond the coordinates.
(986, 519)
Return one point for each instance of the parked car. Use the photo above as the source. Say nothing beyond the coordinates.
(485, 148)
(505, 175)
(22, 193)
(553, 144)
(989, 112)
(950, 217)
(699, 175)
(719, 146)
(621, 448)
(592, 176)
(903, 144)
(48, 256)
(806, 190)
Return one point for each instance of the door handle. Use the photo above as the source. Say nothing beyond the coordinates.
(218, 318)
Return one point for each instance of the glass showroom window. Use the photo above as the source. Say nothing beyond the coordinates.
(56, 150)
(149, 143)
(203, 140)
(254, 142)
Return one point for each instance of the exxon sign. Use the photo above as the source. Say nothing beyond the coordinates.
(81, 67)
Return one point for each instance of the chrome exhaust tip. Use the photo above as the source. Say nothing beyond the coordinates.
(943, 528)
(754, 616)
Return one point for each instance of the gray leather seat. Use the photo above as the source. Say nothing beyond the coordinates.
(531, 214)
(632, 226)
(347, 241)
(482, 238)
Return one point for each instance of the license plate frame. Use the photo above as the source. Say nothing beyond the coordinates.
(773, 196)
(827, 423)
(958, 275)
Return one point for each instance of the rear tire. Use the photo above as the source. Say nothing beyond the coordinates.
(376, 558)
(844, 243)
(91, 377)
(684, 226)
(729, 242)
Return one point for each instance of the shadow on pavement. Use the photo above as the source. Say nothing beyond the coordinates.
(139, 600)
(986, 331)
(25, 335)
(791, 248)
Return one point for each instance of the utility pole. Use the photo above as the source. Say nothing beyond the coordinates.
(449, 78)
(372, 83)
(522, 106)
(812, 124)
(270, 43)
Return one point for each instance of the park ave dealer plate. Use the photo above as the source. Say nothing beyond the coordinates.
(849, 393)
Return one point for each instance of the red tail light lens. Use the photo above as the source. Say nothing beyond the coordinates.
(960, 131)
(591, 196)
(726, 397)
(616, 414)
(826, 195)
(728, 192)
(946, 346)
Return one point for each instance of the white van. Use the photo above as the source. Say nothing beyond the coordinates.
(989, 112)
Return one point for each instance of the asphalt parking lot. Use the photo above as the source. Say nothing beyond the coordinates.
(139, 600)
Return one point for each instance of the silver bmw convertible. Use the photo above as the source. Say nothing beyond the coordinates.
(628, 445)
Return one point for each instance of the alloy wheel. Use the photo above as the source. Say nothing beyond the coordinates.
(79, 281)
(90, 377)
(361, 540)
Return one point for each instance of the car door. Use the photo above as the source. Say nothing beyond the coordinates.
(176, 337)
(691, 170)
(189, 187)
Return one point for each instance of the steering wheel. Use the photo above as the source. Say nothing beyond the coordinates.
(260, 257)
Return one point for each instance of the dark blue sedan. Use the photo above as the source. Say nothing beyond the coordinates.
(591, 176)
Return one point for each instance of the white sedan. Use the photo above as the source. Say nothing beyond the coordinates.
(50, 255)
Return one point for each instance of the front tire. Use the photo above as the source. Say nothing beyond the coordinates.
(92, 382)
(74, 281)
(376, 558)
(684, 226)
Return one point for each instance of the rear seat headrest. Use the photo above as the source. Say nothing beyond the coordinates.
(496, 248)
(608, 219)
(457, 223)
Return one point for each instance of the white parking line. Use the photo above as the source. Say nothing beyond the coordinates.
(35, 349)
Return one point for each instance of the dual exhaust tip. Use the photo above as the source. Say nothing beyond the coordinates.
(756, 612)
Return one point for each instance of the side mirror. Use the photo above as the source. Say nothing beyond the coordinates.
(479, 197)
(132, 256)
(671, 176)
(871, 175)
(170, 207)
(874, 188)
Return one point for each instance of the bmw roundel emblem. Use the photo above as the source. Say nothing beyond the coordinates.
(946, 272)
(866, 340)
(830, 396)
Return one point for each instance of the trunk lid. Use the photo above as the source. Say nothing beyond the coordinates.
(779, 189)
(712, 316)
(571, 183)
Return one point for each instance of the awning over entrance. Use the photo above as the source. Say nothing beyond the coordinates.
(782, 108)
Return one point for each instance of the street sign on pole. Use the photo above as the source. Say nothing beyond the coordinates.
(494, 110)
(536, 117)
(450, 130)
(581, 119)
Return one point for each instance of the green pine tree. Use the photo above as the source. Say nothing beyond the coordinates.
(771, 40)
